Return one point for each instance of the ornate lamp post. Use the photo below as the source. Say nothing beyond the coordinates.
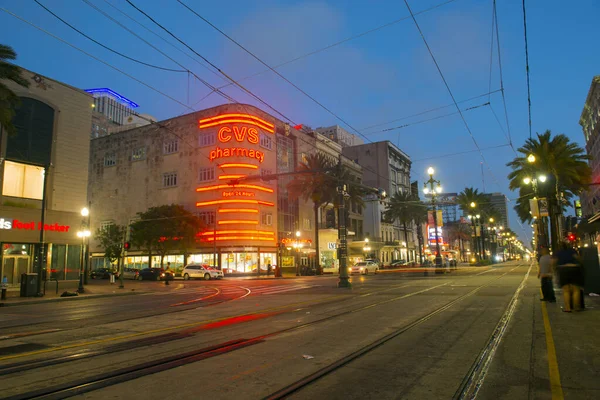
(435, 187)
(297, 245)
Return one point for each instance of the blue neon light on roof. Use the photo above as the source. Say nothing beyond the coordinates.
(115, 94)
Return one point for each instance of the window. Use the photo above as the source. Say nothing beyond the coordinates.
(110, 159)
(22, 180)
(106, 224)
(138, 154)
(265, 141)
(304, 158)
(266, 218)
(207, 218)
(171, 147)
(266, 172)
(206, 174)
(306, 224)
(170, 179)
(206, 139)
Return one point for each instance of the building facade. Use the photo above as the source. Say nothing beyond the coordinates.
(340, 136)
(113, 112)
(499, 202)
(192, 160)
(590, 124)
(46, 162)
(384, 166)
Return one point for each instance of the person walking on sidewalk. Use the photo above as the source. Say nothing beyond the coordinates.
(570, 276)
(545, 275)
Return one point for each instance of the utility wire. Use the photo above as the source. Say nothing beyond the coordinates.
(502, 79)
(164, 40)
(338, 42)
(450, 91)
(491, 52)
(527, 66)
(159, 124)
(274, 71)
(427, 120)
(460, 153)
(428, 111)
(104, 46)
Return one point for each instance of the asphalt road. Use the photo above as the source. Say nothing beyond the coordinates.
(391, 336)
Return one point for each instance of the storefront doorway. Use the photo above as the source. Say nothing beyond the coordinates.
(16, 260)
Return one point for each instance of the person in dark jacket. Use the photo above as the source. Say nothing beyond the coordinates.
(570, 276)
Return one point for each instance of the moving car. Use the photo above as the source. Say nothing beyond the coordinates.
(364, 267)
(194, 271)
(131, 273)
(103, 273)
(155, 274)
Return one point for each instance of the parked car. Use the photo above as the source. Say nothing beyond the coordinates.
(375, 261)
(131, 273)
(155, 274)
(398, 263)
(364, 267)
(103, 273)
(194, 271)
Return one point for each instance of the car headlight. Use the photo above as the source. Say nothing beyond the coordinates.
(361, 268)
(350, 269)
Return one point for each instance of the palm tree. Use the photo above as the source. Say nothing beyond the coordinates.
(565, 167)
(9, 101)
(459, 231)
(472, 201)
(316, 183)
(405, 208)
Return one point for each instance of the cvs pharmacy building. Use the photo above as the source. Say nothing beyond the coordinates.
(211, 163)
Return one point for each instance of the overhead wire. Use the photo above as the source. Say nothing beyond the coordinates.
(527, 66)
(450, 92)
(159, 124)
(460, 153)
(103, 45)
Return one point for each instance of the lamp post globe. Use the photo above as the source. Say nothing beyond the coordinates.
(430, 171)
(85, 212)
(531, 158)
(542, 178)
(473, 204)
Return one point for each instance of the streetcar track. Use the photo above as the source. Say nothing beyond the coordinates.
(309, 379)
(111, 378)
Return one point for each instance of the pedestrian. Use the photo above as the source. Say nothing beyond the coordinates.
(268, 269)
(168, 273)
(545, 275)
(570, 276)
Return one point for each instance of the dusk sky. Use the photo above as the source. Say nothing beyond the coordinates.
(380, 77)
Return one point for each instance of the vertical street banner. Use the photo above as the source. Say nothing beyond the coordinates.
(440, 219)
(533, 207)
(543, 207)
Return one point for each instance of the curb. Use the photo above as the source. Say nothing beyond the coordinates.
(56, 299)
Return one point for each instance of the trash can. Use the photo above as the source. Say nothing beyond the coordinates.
(29, 285)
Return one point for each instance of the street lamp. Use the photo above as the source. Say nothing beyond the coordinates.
(435, 187)
(531, 158)
(85, 213)
(82, 234)
(297, 245)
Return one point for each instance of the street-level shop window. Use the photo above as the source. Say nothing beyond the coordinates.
(265, 141)
(266, 218)
(138, 154)
(207, 218)
(22, 180)
(171, 146)
(110, 159)
(207, 139)
(206, 174)
(170, 179)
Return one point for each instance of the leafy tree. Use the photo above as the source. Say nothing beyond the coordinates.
(111, 240)
(562, 162)
(9, 101)
(165, 229)
(405, 208)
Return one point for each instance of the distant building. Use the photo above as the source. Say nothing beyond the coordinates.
(500, 204)
(384, 166)
(113, 111)
(340, 136)
(590, 123)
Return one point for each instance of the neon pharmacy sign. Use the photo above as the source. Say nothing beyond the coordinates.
(10, 224)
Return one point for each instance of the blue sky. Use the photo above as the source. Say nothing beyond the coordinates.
(379, 77)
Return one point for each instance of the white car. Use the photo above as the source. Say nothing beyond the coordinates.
(194, 271)
(364, 267)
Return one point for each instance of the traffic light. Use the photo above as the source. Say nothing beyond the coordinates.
(127, 245)
(571, 237)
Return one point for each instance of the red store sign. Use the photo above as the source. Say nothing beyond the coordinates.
(15, 224)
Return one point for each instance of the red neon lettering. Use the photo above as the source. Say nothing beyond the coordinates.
(240, 133)
(224, 134)
(253, 136)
